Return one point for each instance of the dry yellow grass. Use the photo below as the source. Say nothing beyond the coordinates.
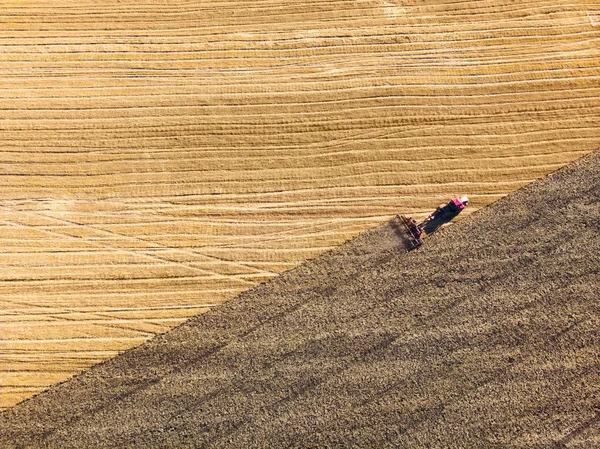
(157, 159)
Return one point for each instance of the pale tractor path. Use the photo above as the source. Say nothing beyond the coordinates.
(158, 159)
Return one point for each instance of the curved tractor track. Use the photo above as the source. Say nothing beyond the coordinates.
(158, 159)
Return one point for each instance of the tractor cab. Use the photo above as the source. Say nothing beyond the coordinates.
(454, 207)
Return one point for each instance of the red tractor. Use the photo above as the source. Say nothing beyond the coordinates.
(443, 214)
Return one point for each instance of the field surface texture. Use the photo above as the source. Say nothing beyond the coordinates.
(157, 158)
(486, 337)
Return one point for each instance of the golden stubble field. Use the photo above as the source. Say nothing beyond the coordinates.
(156, 158)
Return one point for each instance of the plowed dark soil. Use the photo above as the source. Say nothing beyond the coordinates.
(487, 337)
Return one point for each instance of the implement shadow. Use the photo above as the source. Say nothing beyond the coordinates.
(399, 230)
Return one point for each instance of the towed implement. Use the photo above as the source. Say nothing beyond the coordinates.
(415, 231)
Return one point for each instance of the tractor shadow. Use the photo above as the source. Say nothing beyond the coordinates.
(440, 220)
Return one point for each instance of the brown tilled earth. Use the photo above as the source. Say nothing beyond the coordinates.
(487, 337)
(157, 158)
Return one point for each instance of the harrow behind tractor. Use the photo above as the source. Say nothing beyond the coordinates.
(443, 214)
(413, 231)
